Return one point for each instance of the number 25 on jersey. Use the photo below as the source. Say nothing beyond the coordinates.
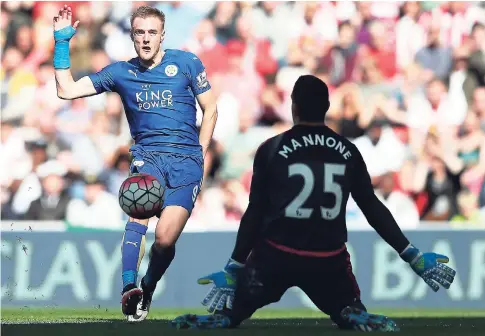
(330, 186)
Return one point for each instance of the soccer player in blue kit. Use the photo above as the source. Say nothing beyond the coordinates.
(159, 89)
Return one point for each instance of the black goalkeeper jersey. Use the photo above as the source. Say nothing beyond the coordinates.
(310, 172)
(301, 183)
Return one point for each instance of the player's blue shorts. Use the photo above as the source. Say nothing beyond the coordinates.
(181, 175)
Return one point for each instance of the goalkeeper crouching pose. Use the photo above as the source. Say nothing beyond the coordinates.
(293, 232)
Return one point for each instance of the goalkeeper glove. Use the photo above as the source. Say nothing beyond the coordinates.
(430, 267)
(222, 293)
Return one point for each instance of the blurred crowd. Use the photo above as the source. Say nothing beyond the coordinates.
(407, 83)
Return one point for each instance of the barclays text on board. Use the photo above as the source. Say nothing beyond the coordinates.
(82, 269)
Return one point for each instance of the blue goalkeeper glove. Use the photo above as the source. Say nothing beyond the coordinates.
(430, 267)
(222, 293)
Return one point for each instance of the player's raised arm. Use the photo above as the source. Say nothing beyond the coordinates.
(429, 266)
(64, 30)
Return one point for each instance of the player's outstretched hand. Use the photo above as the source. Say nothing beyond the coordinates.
(430, 267)
(221, 295)
(63, 27)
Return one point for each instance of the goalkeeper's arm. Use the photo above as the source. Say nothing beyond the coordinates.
(429, 266)
(381, 219)
(376, 213)
(247, 235)
(252, 221)
(67, 88)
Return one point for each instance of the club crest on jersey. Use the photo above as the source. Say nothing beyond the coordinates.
(171, 70)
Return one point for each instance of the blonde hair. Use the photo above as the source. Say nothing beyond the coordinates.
(147, 11)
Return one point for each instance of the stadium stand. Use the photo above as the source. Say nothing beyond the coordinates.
(407, 86)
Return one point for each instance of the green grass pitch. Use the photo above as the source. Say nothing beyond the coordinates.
(269, 322)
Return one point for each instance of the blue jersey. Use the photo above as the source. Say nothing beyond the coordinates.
(159, 103)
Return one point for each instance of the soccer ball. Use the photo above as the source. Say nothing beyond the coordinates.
(141, 196)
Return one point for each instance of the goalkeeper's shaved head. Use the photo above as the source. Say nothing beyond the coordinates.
(310, 100)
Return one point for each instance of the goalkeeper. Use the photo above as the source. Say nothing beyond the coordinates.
(293, 232)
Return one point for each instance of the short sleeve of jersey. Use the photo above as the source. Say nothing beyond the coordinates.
(198, 77)
(104, 80)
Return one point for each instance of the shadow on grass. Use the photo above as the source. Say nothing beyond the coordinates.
(267, 327)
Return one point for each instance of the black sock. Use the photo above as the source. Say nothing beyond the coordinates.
(159, 262)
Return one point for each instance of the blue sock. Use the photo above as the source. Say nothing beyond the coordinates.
(132, 251)
(159, 262)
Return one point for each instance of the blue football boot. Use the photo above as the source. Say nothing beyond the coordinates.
(191, 321)
(364, 321)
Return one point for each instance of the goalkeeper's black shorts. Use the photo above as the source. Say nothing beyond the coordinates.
(328, 281)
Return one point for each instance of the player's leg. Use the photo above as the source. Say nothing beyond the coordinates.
(331, 285)
(347, 310)
(162, 252)
(263, 281)
(184, 178)
(132, 252)
(133, 244)
(257, 286)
